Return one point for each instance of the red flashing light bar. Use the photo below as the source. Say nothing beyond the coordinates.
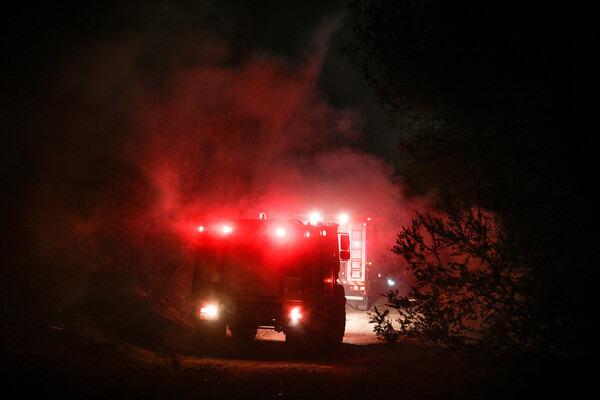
(280, 232)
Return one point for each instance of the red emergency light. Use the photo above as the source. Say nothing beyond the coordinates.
(315, 218)
(280, 232)
(343, 218)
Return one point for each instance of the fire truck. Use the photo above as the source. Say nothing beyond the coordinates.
(355, 272)
(367, 273)
(274, 274)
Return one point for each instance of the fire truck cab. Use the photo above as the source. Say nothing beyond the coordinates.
(277, 274)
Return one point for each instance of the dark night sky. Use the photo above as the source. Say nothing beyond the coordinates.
(39, 40)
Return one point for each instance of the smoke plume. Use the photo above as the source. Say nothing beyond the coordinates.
(143, 131)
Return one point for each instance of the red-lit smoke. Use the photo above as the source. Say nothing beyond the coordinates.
(144, 132)
(257, 137)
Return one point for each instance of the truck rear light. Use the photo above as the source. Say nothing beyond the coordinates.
(209, 311)
(296, 315)
(280, 232)
(227, 229)
(200, 228)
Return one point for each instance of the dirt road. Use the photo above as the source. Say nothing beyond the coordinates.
(358, 330)
(54, 363)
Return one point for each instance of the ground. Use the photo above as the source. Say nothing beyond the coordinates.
(53, 362)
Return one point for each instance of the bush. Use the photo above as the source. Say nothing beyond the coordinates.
(473, 293)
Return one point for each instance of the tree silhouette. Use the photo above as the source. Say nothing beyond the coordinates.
(489, 102)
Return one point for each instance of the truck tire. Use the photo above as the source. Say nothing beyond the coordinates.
(296, 336)
(243, 332)
(293, 337)
(336, 321)
(329, 324)
(210, 333)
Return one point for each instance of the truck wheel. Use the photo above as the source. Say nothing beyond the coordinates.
(292, 338)
(243, 333)
(210, 333)
(295, 337)
(336, 324)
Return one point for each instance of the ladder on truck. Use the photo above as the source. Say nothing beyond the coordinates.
(357, 254)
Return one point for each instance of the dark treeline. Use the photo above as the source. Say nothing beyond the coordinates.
(492, 104)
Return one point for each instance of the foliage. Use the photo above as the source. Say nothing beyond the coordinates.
(469, 293)
(383, 328)
(479, 295)
(484, 96)
(488, 100)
